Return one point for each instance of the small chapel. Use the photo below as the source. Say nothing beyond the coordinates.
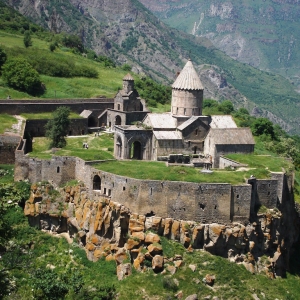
(180, 136)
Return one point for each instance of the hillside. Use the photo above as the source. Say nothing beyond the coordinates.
(129, 33)
(260, 33)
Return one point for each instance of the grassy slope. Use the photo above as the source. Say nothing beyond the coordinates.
(99, 147)
(107, 84)
(6, 121)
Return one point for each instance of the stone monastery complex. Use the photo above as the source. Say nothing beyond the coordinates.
(177, 135)
(183, 136)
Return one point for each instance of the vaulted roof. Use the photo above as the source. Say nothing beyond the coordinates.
(222, 121)
(232, 136)
(188, 79)
(160, 121)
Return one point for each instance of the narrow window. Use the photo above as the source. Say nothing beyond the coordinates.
(57, 169)
(123, 188)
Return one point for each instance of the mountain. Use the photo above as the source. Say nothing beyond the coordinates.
(129, 33)
(261, 33)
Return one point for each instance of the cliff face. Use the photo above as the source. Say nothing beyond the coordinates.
(259, 33)
(108, 229)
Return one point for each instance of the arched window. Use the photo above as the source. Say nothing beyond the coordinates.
(96, 183)
(118, 120)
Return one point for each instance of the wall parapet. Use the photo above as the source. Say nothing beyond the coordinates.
(201, 202)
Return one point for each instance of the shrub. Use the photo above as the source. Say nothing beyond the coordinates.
(19, 74)
(27, 39)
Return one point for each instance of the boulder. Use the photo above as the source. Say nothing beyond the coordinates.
(157, 262)
(123, 270)
(192, 297)
(152, 238)
(209, 279)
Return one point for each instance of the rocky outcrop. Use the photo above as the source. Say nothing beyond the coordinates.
(109, 230)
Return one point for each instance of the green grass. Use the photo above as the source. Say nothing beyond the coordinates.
(6, 122)
(47, 116)
(99, 147)
(6, 173)
(107, 84)
(271, 163)
(159, 171)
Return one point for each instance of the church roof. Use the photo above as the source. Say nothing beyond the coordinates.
(188, 79)
(220, 121)
(128, 77)
(86, 113)
(163, 121)
(232, 136)
(188, 122)
(167, 135)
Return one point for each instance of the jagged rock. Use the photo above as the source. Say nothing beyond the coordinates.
(154, 249)
(132, 243)
(192, 267)
(152, 238)
(120, 256)
(138, 262)
(123, 270)
(179, 295)
(171, 269)
(209, 279)
(157, 262)
(178, 263)
(192, 297)
(139, 235)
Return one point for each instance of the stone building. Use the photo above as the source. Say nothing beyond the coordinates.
(181, 132)
(128, 106)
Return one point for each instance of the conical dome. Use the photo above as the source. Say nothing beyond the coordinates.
(188, 79)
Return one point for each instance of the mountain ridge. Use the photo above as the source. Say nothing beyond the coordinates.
(129, 33)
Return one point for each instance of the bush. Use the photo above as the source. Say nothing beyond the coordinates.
(169, 284)
(19, 74)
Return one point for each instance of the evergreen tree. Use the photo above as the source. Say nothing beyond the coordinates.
(57, 128)
(27, 39)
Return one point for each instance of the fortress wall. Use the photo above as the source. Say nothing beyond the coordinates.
(267, 192)
(8, 145)
(204, 202)
(17, 107)
(240, 204)
(36, 128)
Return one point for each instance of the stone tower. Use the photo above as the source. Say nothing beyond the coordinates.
(187, 93)
(128, 84)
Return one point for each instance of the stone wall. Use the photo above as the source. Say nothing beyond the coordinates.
(201, 202)
(17, 107)
(8, 145)
(36, 128)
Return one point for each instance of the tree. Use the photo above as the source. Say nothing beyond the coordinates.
(19, 74)
(27, 39)
(57, 128)
(263, 126)
(3, 58)
(226, 107)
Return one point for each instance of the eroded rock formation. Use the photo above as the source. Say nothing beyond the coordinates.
(108, 229)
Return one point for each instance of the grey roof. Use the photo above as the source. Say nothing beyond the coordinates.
(187, 122)
(86, 113)
(188, 79)
(163, 121)
(232, 136)
(167, 135)
(128, 77)
(222, 122)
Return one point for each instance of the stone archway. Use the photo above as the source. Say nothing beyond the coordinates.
(136, 150)
(118, 120)
(96, 183)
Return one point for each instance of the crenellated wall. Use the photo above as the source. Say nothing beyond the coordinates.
(201, 202)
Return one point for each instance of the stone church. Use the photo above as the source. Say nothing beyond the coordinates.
(183, 135)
